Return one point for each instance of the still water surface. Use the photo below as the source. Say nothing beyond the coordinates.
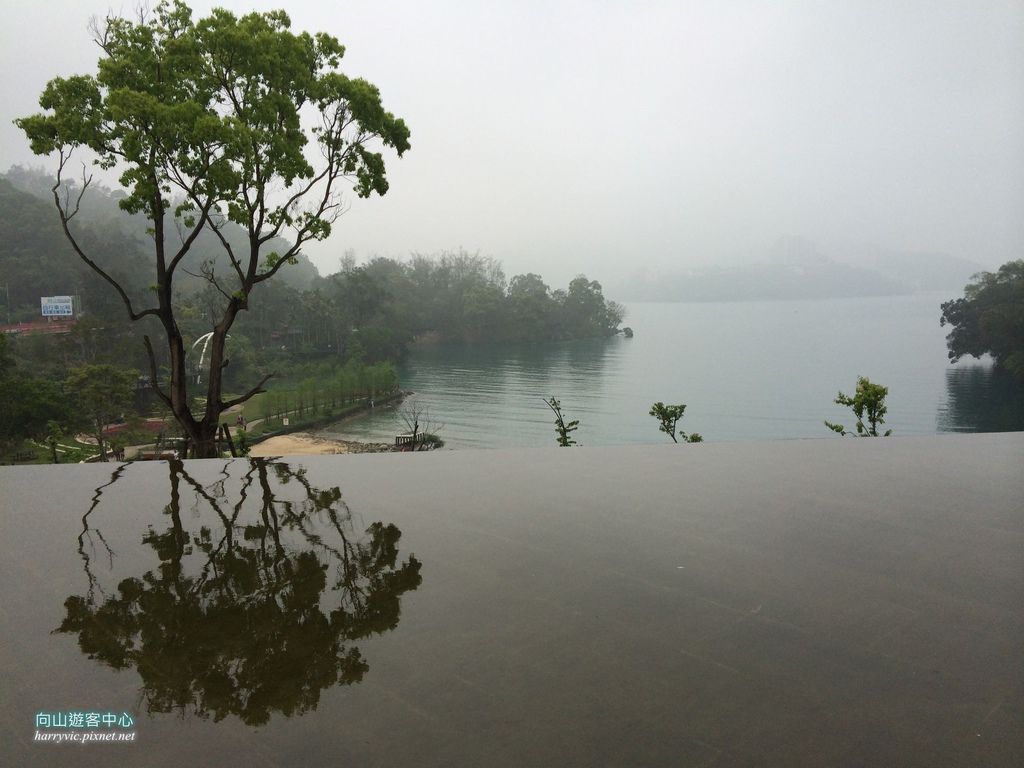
(643, 605)
(746, 370)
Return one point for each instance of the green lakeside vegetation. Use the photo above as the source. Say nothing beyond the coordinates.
(668, 417)
(989, 319)
(212, 154)
(206, 236)
(868, 405)
(326, 366)
(332, 342)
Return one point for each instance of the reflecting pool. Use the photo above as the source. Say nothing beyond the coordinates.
(797, 602)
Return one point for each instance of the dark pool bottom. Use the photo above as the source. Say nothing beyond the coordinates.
(804, 603)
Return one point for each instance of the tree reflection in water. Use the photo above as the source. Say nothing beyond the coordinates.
(237, 618)
(981, 398)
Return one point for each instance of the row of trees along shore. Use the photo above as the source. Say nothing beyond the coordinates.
(867, 404)
(326, 395)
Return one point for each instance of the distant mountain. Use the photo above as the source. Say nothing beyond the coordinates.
(797, 268)
(919, 270)
(763, 282)
(922, 271)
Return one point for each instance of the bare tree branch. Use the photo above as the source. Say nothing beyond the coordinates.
(207, 275)
(65, 220)
(216, 227)
(225, 404)
(175, 176)
(153, 378)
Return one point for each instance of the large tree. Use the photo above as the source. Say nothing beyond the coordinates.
(990, 318)
(209, 122)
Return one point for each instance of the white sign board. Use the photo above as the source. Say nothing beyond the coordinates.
(57, 306)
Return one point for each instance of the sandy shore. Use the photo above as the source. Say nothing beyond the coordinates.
(306, 444)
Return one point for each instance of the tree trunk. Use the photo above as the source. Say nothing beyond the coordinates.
(205, 437)
(178, 394)
(204, 444)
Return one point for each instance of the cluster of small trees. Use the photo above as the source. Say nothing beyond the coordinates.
(668, 417)
(89, 400)
(317, 397)
(867, 403)
(373, 311)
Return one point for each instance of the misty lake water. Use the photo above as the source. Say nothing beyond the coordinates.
(746, 371)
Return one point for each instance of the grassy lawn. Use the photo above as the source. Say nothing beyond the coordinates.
(258, 425)
(32, 453)
(252, 409)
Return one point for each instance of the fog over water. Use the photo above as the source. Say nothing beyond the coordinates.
(606, 137)
(746, 370)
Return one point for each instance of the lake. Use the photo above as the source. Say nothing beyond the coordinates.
(746, 371)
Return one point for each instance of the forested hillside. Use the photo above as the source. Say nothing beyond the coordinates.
(365, 313)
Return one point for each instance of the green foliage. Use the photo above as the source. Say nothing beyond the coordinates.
(38, 261)
(54, 434)
(990, 318)
(101, 394)
(209, 122)
(216, 100)
(379, 307)
(325, 393)
(563, 429)
(27, 405)
(668, 416)
(431, 440)
(6, 358)
(585, 309)
(242, 447)
(868, 404)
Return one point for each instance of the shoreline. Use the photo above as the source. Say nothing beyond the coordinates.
(308, 444)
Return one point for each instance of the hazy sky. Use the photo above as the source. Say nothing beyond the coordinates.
(600, 136)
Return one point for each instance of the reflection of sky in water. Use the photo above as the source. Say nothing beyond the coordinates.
(747, 371)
